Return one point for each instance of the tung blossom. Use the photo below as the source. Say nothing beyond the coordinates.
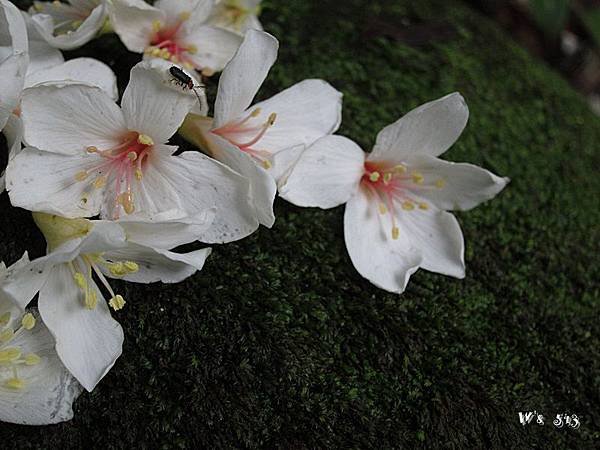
(35, 387)
(397, 196)
(69, 25)
(261, 141)
(237, 15)
(83, 253)
(175, 30)
(88, 156)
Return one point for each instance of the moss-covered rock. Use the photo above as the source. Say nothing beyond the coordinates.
(280, 343)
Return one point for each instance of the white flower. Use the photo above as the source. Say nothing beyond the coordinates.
(262, 141)
(69, 25)
(397, 196)
(43, 65)
(35, 388)
(93, 157)
(80, 251)
(237, 15)
(175, 30)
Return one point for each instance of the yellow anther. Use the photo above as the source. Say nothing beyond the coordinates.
(91, 149)
(417, 177)
(4, 319)
(9, 354)
(32, 359)
(188, 65)
(15, 383)
(126, 200)
(155, 52)
(132, 156)
(374, 176)
(117, 302)
(100, 182)
(6, 335)
(272, 118)
(387, 177)
(267, 164)
(117, 269)
(144, 139)
(131, 266)
(408, 206)
(395, 233)
(208, 72)
(185, 15)
(76, 24)
(255, 113)
(400, 169)
(28, 321)
(440, 183)
(91, 300)
(156, 26)
(192, 49)
(82, 175)
(80, 281)
(382, 208)
(424, 206)
(165, 54)
(174, 58)
(138, 174)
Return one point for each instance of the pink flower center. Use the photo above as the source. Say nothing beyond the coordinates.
(394, 188)
(167, 43)
(121, 164)
(246, 133)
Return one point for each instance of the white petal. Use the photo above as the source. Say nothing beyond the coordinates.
(41, 54)
(45, 181)
(430, 129)
(262, 186)
(438, 236)
(132, 21)
(305, 112)
(251, 23)
(199, 10)
(326, 175)
(50, 389)
(215, 47)
(243, 76)
(200, 183)
(159, 265)
(69, 41)
(464, 185)
(84, 70)
(149, 106)
(283, 162)
(68, 118)
(13, 131)
(88, 341)
(385, 262)
(13, 31)
(167, 230)
(12, 78)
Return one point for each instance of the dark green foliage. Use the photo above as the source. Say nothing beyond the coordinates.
(280, 343)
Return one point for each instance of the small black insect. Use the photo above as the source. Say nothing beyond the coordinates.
(184, 80)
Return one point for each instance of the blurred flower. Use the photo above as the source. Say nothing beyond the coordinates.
(35, 387)
(237, 15)
(69, 25)
(262, 141)
(175, 30)
(397, 196)
(80, 251)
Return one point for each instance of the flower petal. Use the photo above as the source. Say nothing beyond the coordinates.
(262, 186)
(41, 54)
(12, 78)
(83, 70)
(69, 41)
(326, 175)
(149, 106)
(215, 47)
(464, 185)
(198, 10)
(283, 162)
(13, 28)
(385, 262)
(132, 21)
(68, 118)
(430, 129)
(50, 389)
(159, 265)
(438, 236)
(13, 131)
(305, 112)
(243, 75)
(88, 341)
(45, 181)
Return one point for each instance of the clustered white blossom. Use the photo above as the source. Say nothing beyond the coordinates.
(113, 198)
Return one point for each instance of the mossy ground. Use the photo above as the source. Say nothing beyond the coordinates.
(280, 343)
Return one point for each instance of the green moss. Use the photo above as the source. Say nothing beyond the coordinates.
(280, 343)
